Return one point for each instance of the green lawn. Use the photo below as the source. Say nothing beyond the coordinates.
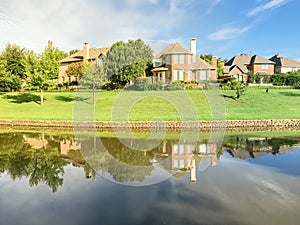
(140, 106)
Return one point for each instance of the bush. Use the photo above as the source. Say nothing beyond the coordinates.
(290, 79)
(143, 83)
(146, 84)
(173, 87)
(234, 84)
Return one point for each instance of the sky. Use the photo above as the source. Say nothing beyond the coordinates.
(223, 28)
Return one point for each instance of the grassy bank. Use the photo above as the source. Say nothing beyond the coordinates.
(254, 104)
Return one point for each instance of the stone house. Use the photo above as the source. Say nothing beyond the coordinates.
(176, 62)
(85, 55)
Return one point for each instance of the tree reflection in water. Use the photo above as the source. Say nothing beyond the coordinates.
(41, 158)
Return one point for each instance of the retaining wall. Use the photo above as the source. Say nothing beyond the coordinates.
(187, 126)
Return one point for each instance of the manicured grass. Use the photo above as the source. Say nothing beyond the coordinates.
(142, 106)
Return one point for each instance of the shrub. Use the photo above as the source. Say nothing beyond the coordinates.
(173, 87)
(143, 83)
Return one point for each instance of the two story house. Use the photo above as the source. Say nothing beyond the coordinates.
(176, 62)
(85, 55)
(240, 65)
(285, 65)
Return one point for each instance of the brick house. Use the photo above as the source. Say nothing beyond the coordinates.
(83, 56)
(176, 62)
(285, 65)
(240, 65)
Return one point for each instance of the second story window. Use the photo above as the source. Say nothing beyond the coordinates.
(265, 66)
(181, 59)
(175, 59)
(168, 59)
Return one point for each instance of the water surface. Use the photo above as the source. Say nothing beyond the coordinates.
(56, 178)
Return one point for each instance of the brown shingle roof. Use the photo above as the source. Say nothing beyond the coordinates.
(175, 48)
(201, 64)
(256, 59)
(285, 62)
(94, 53)
(242, 59)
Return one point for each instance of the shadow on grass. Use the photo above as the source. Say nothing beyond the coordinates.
(290, 94)
(64, 98)
(230, 96)
(71, 99)
(24, 98)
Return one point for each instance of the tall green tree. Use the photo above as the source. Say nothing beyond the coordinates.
(44, 67)
(12, 67)
(93, 78)
(50, 58)
(14, 57)
(125, 62)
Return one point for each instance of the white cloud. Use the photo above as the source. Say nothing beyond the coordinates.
(214, 3)
(266, 6)
(70, 23)
(227, 33)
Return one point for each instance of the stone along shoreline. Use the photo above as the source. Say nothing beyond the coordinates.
(228, 125)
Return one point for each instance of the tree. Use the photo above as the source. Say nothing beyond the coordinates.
(71, 52)
(125, 62)
(220, 68)
(44, 67)
(14, 57)
(8, 82)
(208, 59)
(12, 67)
(76, 69)
(50, 60)
(93, 78)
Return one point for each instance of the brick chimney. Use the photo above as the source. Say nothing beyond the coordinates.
(214, 62)
(86, 52)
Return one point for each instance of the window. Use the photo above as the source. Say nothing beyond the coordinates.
(197, 75)
(202, 74)
(175, 59)
(190, 75)
(181, 75)
(181, 149)
(181, 164)
(181, 59)
(175, 75)
(203, 148)
(176, 149)
(168, 75)
(265, 66)
(176, 164)
(168, 59)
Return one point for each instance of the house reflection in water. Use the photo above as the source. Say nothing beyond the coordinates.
(185, 157)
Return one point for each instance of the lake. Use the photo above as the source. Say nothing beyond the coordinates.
(57, 177)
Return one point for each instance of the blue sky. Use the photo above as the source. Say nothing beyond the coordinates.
(222, 27)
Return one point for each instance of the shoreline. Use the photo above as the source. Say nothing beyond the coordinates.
(156, 126)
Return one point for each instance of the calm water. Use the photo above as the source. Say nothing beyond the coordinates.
(50, 178)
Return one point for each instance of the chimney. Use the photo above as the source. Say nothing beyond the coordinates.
(214, 62)
(86, 52)
(193, 46)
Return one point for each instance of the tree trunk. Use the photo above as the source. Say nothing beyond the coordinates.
(42, 96)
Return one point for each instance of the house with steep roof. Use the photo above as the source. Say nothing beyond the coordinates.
(176, 62)
(240, 65)
(285, 65)
(85, 55)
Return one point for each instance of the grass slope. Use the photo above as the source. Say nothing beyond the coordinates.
(141, 106)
